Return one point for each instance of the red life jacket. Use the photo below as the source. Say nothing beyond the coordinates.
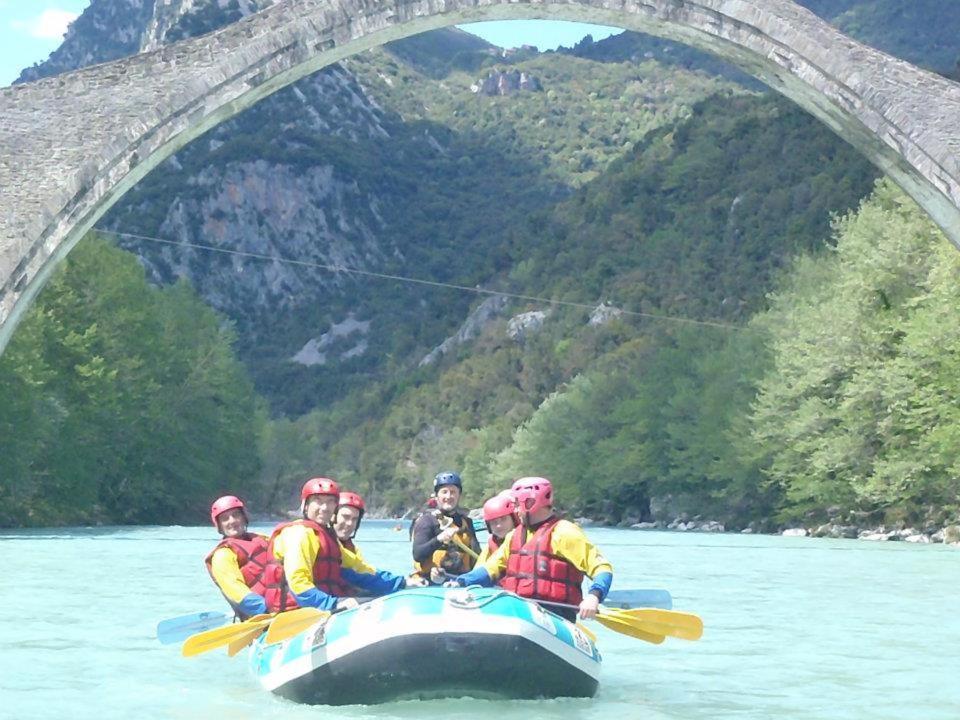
(326, 566)
(261, 573)
(533, 571)
(351, 591)
(493, 544)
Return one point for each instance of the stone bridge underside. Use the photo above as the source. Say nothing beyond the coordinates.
(70, 146)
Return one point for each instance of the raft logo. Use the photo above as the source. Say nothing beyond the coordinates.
(582, 642)
(319, 636)
(541, 618)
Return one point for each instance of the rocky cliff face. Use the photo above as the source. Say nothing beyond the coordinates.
(257, 184)
(506, 83)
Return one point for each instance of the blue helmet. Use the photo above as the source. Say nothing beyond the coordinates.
(447, 478)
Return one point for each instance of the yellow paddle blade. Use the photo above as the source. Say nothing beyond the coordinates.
(218, 637)
(672, 623)
(244, 640)
(289, 623)
(630, 629)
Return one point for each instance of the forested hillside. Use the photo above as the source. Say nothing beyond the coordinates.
(691, 225)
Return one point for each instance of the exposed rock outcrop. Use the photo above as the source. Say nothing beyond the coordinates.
(488, 311)
(506, 82)
(603, 313)
(522, 326)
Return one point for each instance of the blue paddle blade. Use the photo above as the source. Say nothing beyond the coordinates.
(180, 628)
(639, 599)
(479, 525)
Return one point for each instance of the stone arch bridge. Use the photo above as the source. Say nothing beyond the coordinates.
(71, 145)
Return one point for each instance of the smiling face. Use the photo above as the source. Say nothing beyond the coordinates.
(448, 497)
(501, 526)
(232, 523)
(346, 523)
(320, 508)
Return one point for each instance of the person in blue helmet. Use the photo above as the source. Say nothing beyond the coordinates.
(444, 542)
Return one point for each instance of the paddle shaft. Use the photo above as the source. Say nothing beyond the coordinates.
(639, 598)
(459, 543)
(180, 628)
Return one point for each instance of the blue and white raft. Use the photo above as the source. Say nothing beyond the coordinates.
(432, 643)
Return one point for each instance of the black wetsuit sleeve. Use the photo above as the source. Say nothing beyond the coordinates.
(425, 533)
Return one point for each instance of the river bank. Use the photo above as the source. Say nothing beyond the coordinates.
(947, 535)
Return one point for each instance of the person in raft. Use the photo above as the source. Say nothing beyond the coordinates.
(315, 569)
(499, 513)
(241, 566)
(444, 542)
(350, 511)
(429, 504)
(546, 558)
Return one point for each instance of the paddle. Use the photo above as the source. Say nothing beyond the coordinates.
(466, 548)
(457, 541)
(639, 598)
(289, 623)
(631, 630)
(672, 623)
(212, 639)
(649, 624)
(241, 642)
(180, 628)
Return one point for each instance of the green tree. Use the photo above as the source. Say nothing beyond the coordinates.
(126, 401)
(858, 409)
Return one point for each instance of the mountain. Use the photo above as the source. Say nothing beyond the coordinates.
(387, 163)
(638, 185)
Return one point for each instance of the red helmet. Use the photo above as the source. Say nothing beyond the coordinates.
(499, 506)
(351, 499)
(222, 504)
(319, 486)
(532, 494)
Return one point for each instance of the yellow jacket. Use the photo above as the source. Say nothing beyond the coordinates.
(225, 569)
(296, 547)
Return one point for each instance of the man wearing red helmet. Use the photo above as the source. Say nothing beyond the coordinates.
(546, 558)
(241, 566)
(350, 511)
(315, 568)
(499, 513)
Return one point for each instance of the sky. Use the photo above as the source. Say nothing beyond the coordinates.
(31, 29)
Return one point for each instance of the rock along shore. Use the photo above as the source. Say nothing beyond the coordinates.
(948, 535)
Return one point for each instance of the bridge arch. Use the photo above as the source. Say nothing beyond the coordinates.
(75, 143)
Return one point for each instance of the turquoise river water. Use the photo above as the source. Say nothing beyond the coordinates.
(794, 628)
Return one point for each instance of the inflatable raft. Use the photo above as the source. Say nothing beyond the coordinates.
(431, 643)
